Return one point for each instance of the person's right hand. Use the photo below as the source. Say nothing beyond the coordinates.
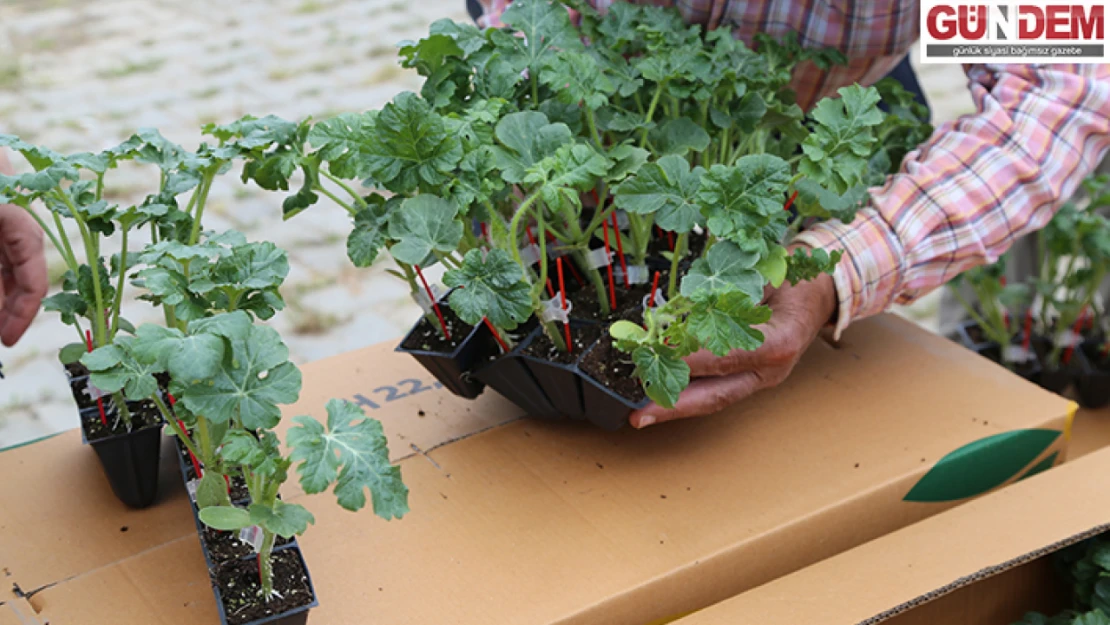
(23, 280)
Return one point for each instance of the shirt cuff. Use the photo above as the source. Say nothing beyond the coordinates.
(871, 269)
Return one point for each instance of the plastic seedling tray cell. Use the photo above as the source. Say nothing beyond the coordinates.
(453, 369)
(603, 407)
(1093, 385)
(561, 382)
(294, 616)
(510, 377)
(130, 461)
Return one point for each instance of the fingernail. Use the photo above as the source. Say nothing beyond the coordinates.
(645, 421)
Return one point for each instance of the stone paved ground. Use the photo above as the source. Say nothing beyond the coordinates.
(82, 75)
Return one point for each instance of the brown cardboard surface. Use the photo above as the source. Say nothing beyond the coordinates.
(519, 521)
(979, 563)
(1090, 433)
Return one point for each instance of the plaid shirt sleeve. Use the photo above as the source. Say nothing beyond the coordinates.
(980, 182)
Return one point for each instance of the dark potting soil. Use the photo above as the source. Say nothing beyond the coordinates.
(629, 300)
(78, 387)
(613, 369)
(225, 546)
(143, 414)
(241, 590)
(76, 370)
(976, 335)
(428, 336)
(582, 337)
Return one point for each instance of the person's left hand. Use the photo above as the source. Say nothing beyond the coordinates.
(798, 314)
(23, 279)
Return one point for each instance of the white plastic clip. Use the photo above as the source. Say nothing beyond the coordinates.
(599, 258)
(252, 536)
(657, 302)
(94, 393)
(637, 274)
(191, 488)
(553, 310)
(421, 297)
(530, 254)
(1067, 338)
(1017, 353)
(622, 220)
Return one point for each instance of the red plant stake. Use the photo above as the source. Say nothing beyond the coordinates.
(1028, 330)
(496, 334)
(435, 304)
(609, 267)
(654, 285)
(563, 299)
(790, 202)
(181, 424)
(1074, 330)
(485, 231)
(620, 251)
(99, 400)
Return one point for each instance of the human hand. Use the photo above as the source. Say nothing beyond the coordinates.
(23, 280)
(798, 314)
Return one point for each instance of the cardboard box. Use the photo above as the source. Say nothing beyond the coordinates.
(1090, 433)
(518, 521)
(987, 562)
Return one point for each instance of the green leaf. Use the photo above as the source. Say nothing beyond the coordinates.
(369, 234)
(72, 353)
(667, 188)
(284, 519)
(815, 200)
(225, 518)
(351, 453)
(70, 305)
(679, 136)
(626, 331)
(186, 358)
(562, 177)
(423, 225)
(664, 375)
(836, 152)
(545, 27)
(576, 78)
(212, 490)
(114, 368)
(738, 200)
(240, 447)
(804, 267)
(723, 322)
(492, 287)
(411, 148)
(344, 143)
(982, 465)
(724, 268)
(255, 376)
(526, 138)
(774, 266)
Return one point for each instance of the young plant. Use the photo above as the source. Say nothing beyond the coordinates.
(998, 308)
(71, 189)
(536, 136)
(1074, 258)
(230, 376)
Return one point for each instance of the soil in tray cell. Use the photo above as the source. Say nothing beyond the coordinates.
(582, 337)
(241, 589)
(428, 336)
(226, 546)
(613, 369)
(143, 414)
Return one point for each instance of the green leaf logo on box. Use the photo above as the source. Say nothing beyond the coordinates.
(984, 465)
